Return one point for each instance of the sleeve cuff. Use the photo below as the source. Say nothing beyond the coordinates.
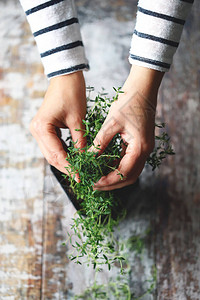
(56, 29)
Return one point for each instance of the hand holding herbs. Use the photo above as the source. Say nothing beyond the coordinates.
(93, 237)
(132, 116)
(64, 106)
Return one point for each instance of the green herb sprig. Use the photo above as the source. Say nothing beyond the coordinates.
(162, 148)
(94, 226)
(93, 238)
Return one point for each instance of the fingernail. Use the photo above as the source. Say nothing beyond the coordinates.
(77, 179)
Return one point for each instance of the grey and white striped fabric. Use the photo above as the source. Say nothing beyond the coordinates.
(56, 30)
(157, 33)
(55, 27)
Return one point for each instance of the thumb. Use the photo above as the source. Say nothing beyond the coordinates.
(108, 130)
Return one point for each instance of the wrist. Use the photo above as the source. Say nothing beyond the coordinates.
(148, 79)
(68, 78)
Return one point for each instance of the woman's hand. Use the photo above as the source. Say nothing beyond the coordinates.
(64, 106)
(133, 116)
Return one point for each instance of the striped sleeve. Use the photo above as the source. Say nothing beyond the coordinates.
(157, 33)
(56, 29)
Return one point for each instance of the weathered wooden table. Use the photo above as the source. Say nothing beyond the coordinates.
(35, 213)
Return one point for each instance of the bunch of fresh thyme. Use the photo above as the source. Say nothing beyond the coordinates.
(94, 226)
(93, 236)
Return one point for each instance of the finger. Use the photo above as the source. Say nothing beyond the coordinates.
(120, 182)
(130, 167)
(116, 186)
(52, 148)
(78, 136)
(108, 130)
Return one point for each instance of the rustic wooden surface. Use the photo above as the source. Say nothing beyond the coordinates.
(35, 213)
(177, 241)
(22, 165)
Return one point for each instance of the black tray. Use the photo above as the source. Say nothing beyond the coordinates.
(125, 194)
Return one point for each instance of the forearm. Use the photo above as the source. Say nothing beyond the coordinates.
(55, 27)
(145, 82)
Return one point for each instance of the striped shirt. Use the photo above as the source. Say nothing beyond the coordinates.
(56, 29)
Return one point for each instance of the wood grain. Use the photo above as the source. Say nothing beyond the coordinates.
(178, 183)
(35, 214)
(22, 165)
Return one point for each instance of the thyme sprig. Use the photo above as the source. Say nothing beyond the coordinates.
(94, 224)
(93, 238)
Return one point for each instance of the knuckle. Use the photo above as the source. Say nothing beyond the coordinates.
(75, 122)
(36, 126)
(143, 149)
(52, 159)
(111, 123)
(148, 147)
